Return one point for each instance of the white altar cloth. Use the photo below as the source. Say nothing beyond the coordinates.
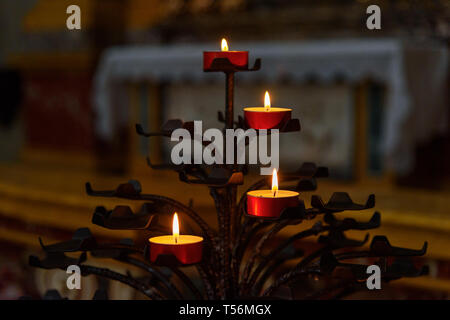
(414, 73)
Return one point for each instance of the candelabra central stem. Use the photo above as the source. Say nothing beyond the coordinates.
(229, 100)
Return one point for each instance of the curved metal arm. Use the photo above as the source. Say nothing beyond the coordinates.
(210, 293)
(296, 271)
(183, 277)
(316, 229)
(239, 250)
(287, 277)
(257, 251)
(109, 274)
(154, 272)
(133, 193)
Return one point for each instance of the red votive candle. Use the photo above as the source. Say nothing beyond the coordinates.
(266, 117)
(263, 203)
(186, 248)
(237, 58)
(270, 203)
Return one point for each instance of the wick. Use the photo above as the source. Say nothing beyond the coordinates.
(176, 240)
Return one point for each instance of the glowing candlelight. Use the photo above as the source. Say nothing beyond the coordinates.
(187, 249)
(218, 60)
(270, 203)
(274, 182)
(175, 228)
(267, 102)
(266, 117)
(224, 45)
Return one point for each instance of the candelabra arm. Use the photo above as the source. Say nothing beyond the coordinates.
(132, 191)
(154, 272)
(183, 277)
(271, 267)
(314, 230)
(187, 210)
(242, 245)
(109, 274)
(257, 251)
(210, 292)
(295, 274)
(299, 269)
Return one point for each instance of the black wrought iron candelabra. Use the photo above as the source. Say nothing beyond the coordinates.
(237, 262)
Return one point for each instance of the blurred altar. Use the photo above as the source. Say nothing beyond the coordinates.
(373, 106)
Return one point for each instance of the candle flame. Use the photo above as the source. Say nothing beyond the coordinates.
(224, 45)
(267, 101)
(175, 228)
(274, 182)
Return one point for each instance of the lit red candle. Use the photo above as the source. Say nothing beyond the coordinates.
(186, 248)
(270, 203)
(266, 117)
(239, 59)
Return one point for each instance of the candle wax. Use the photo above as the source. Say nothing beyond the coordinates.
(270, 194)
(170, 240)
(271, 109)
